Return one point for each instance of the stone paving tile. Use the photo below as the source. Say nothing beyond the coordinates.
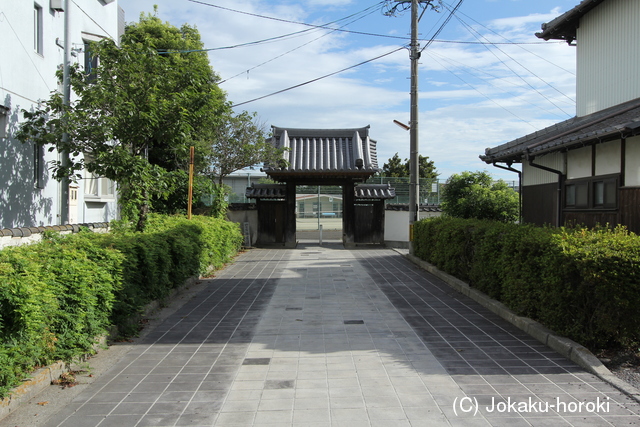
(322, 336)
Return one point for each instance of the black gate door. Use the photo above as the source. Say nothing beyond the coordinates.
(369, 222)
(271, 217)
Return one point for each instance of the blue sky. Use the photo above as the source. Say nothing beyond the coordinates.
(472, 95)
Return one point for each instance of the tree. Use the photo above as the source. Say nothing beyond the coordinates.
(136, 115)
(395, 167)
(474, 195)
(240, 142)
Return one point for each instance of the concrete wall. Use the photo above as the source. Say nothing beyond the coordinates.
(25, 236)
(29, 197)
(396, 227)
(246, 216)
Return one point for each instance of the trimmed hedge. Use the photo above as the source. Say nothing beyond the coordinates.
(171, 250)
(581, 283)
(58, 295)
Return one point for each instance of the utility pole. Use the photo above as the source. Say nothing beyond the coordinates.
(414, 55)
(414, 186)
(66, 93)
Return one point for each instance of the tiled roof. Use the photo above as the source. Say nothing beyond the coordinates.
(564, 26)
(612, 123)
(375, 191)
(325, 151)
(266, 191)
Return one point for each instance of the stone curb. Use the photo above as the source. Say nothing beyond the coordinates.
(566, 347)
(37, 382)
(43, 377)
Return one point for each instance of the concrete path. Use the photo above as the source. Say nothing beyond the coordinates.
(322, 336)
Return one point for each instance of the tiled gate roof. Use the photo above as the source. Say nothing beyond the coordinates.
(328, 151)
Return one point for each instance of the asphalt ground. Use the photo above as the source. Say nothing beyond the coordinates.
(324, 336)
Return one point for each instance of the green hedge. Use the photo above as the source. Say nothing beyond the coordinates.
(55, 298)
(584, 284)
(171, 250)
(58, 295)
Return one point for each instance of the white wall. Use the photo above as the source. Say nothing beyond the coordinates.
(26, 77)
(579, 163)
(608, 56)
(608, 158)
(396, 226)
(632, 162)
(535, 176)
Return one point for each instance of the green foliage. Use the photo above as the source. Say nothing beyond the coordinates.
(240, 142)
(581, 283)
(474, 195)
(57, 296)
(147, 102)
(55, 299)
(220, 202)
(395, 167)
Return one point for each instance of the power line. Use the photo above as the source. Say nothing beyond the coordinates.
(321, 77)
(466, 67)
(514, 43)
(326, 26)
(477, 35)
(474, 32)
(486, 96)
(302, 45)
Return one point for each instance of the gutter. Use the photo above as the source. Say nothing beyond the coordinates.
(560, 182)
(509, 168)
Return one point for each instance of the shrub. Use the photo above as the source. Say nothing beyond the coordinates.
(55, 299)
(581, 283)
(474, 195)
(58, 296)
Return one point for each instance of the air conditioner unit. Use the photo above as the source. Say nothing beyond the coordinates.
(57, 5)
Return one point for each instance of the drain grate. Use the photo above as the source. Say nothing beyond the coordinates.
(354, 322)
(293, 309)
(257, 361)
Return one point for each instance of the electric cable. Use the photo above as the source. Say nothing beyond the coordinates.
(465, 68)
(321, 77)
(298, 47)
(515, 43)
(477, 35)
(485, 96)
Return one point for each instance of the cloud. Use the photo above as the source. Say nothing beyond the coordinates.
(471, 96)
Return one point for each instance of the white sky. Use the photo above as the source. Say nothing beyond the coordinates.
(472, 96)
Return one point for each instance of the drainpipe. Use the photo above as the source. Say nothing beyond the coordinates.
(560, 182)
(509, 168)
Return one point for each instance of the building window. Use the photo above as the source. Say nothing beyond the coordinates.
(592, 193)
(37, 28)
(90, 62)
(38, 166)
(98, 187)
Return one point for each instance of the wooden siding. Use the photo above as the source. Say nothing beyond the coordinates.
(590, 219)
(608, 57)
(630, 208)
(539, 204)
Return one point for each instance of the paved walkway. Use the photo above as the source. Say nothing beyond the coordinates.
(322, 336)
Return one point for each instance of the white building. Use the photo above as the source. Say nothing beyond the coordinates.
(32, 34)
(586, 170)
